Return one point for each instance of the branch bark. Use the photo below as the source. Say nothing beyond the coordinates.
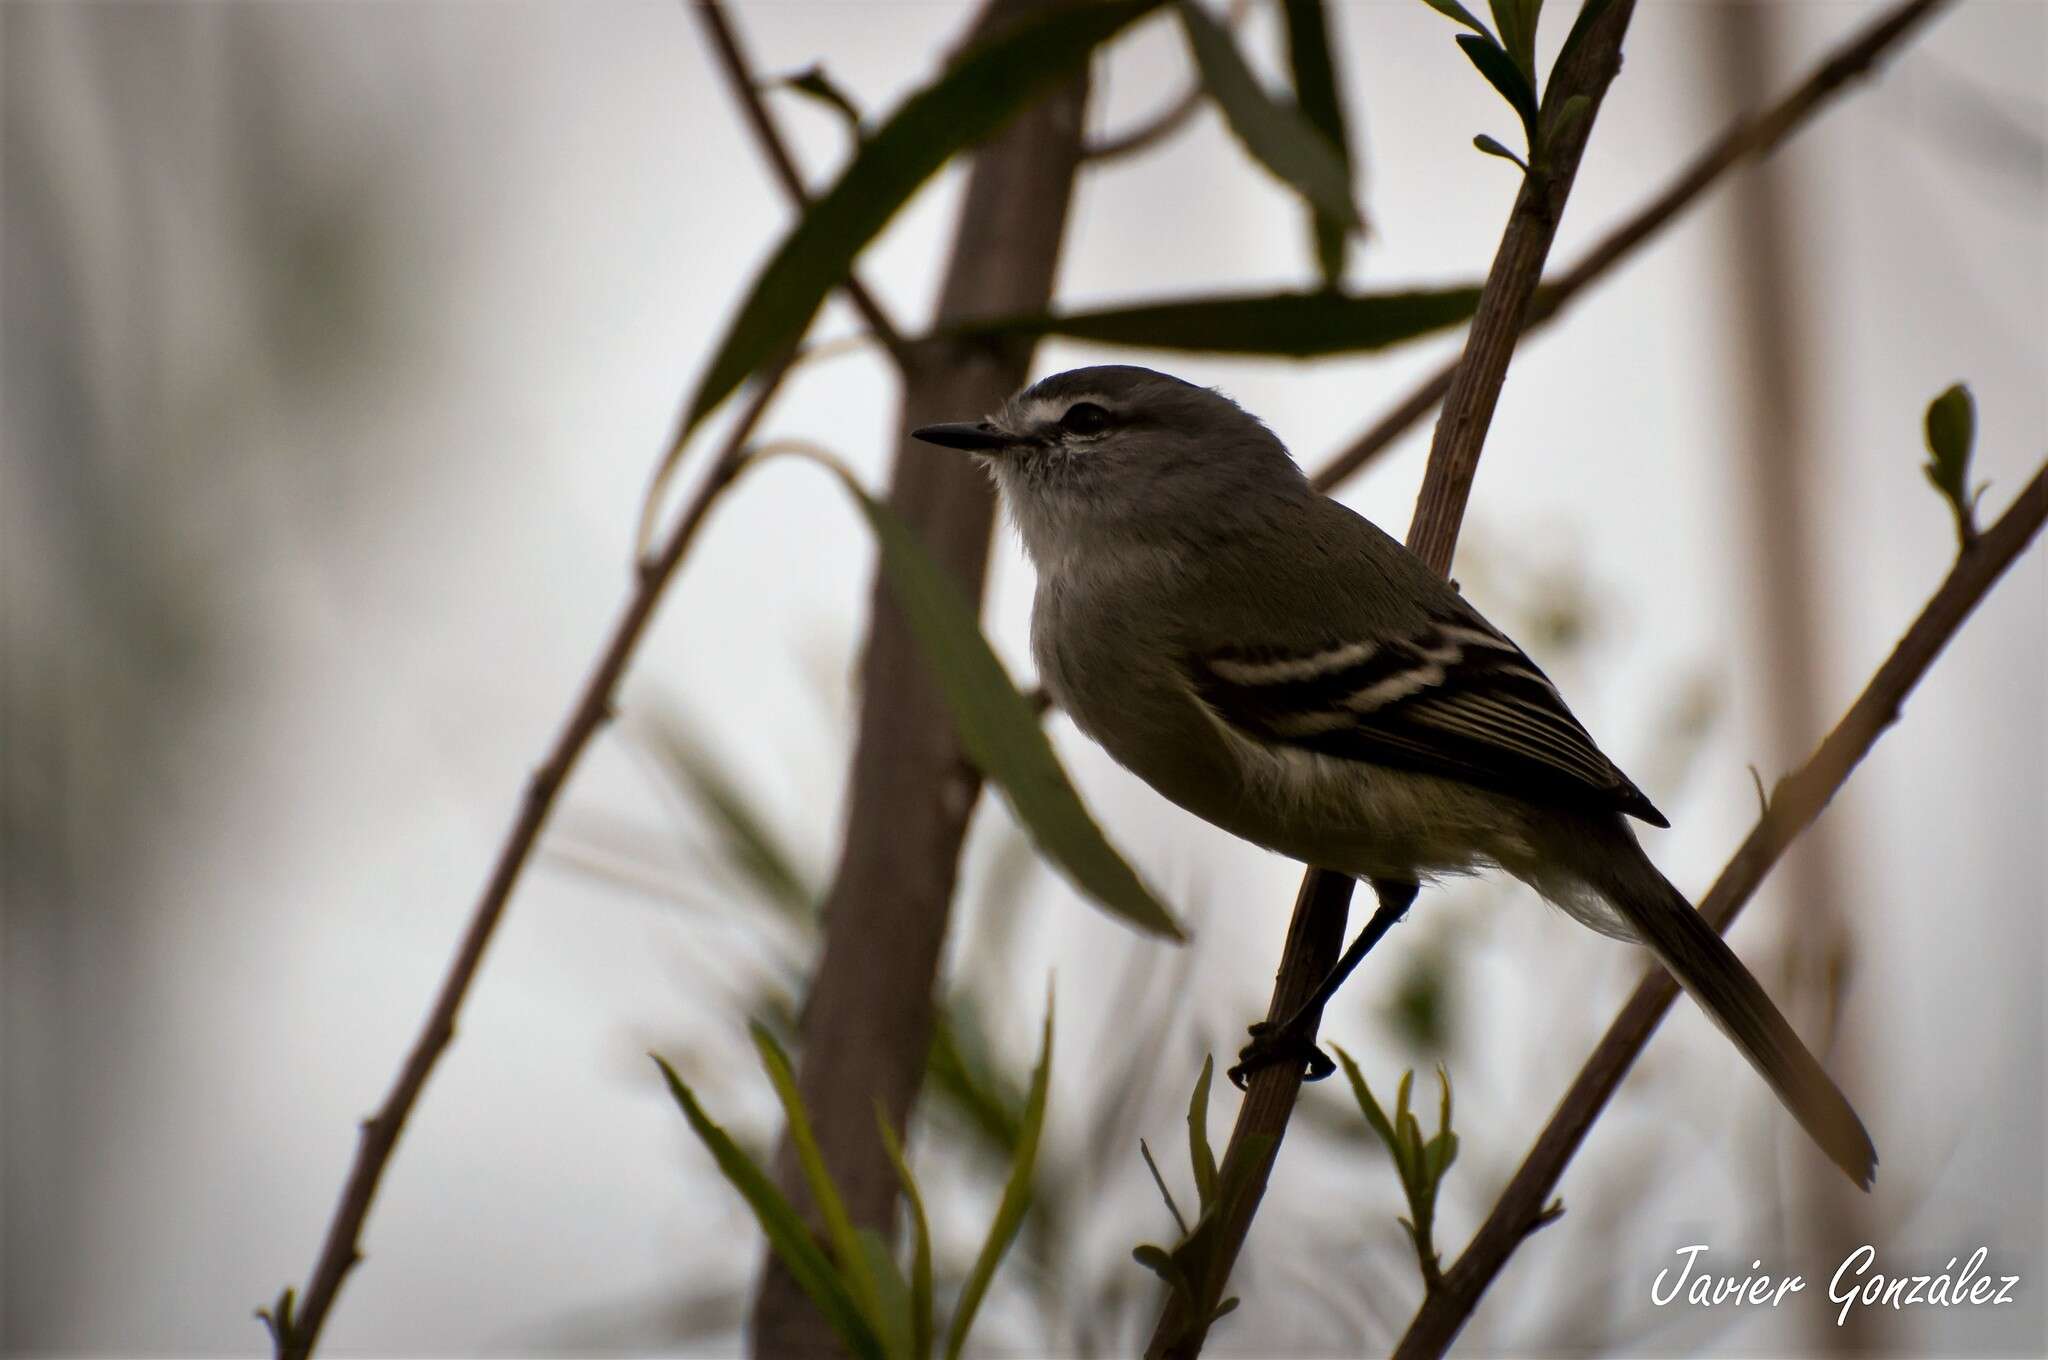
(1744, 139)
(1316, 933)
(296, 1321)
(867, 1022)
(1795, 803)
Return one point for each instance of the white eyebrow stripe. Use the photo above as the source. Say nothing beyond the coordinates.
(1295, 668)
(1047, 411)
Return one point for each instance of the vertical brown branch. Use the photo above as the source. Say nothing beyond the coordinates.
(867, 1023)
(1315, 934)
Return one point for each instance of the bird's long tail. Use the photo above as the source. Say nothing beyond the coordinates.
(1707, 968)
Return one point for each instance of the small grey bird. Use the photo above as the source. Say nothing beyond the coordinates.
(1279, 667)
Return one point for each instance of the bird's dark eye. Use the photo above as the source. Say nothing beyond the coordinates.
(1084, 417)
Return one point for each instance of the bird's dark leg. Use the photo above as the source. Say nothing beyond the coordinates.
(1294, 1039)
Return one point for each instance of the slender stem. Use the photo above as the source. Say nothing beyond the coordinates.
(1743, 139)
(297, 1334)
(732, 59)
(1152, 131)
(1316, 933)
(1793, 806)
(1169, 120)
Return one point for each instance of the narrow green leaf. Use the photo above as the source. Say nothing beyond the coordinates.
(786, 1233)
(1016, 1198)
(1375, 1117)
(1438, 1154)
(1162, 1263)
(1589, 13)
(814, 83)
(1319, 95)
(1145, 1151)
(1516, 20)
(1569, 115)
(1229, 1305)
(921, 1245)
(961, 1074)
(1501, 72)
(1198, 1135)
(1951, 435)
(976, 95)
(746, 836)
(1277, 136)
(1451, 9)
(853, 1263)
(1237, 1177)
(1494, 148)
(997, 726)
(893, 1310)
(1290, 325)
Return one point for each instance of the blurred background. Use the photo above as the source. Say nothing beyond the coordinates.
(339, 342)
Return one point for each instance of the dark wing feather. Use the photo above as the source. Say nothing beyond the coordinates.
(1455, 699)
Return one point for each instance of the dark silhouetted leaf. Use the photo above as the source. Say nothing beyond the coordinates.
(1494, 148)
(1502, 73)
(786, 1233)
(1516, 20)
(974, 97)
(1288, 325)
(1320, 98)
(821, 87)
(1453, 10)
(1951, 435)
(1276, 135)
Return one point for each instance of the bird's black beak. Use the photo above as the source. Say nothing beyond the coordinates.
(973, 436)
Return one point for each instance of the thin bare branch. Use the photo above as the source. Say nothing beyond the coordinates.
(1316, 933)
(296, 1322)
(1745, 138)
(739, 76)
(1795, 803)
(1149, 133)
(1169, 120)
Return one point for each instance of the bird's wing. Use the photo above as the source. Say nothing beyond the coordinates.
(1450, 697)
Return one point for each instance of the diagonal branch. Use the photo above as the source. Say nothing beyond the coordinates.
(1744, 139)
(295, 1323)
(1315, 935)
(1794, 805)
(732, 59)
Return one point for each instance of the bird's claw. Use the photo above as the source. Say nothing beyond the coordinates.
(1274, 1044)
